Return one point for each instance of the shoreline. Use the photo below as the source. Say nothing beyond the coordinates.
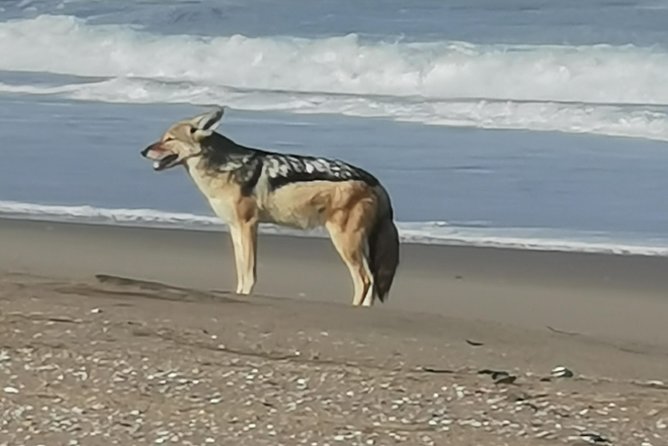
(410, 232)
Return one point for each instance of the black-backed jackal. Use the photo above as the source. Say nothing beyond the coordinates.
(247, 186)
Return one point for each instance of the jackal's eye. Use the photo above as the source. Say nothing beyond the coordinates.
(193, 130)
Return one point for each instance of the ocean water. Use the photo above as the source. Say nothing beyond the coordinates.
(529, 124)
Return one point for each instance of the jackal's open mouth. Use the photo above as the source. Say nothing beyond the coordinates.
(165, 162)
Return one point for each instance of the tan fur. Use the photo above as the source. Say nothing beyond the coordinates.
(347, 209)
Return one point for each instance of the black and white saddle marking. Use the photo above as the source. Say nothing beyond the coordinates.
(248, 165)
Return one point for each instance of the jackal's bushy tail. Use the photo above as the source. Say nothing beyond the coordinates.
(384, 252)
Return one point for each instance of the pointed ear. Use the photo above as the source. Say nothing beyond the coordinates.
(206, 123)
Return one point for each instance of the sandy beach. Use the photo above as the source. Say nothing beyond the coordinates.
(119, 335)
(522, 148)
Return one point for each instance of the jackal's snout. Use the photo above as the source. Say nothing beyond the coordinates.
(161, 157)
(146, 151)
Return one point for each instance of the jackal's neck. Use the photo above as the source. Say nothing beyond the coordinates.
(208, 181)
(221, 153)
(219, 145)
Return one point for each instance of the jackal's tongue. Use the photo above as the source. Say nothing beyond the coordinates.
(162, 163)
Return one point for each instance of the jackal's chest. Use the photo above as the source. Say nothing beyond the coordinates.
(219, 192)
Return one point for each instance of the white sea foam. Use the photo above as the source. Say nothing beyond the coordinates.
(600, 73)
(413, 232)
(603, 89)
(90, 214)
(613, 120)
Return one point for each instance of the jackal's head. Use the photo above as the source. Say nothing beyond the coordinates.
(182, 140)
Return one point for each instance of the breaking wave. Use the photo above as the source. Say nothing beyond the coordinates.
(602, 89)
(344, 65)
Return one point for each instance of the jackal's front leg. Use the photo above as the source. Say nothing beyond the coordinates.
(235, 235)
(245, 251)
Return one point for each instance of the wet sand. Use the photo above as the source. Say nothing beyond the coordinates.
(620, 297)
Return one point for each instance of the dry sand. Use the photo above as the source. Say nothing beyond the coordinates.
(168, 357)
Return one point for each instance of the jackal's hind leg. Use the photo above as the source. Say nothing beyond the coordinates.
(370, 294)
(349, 245)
